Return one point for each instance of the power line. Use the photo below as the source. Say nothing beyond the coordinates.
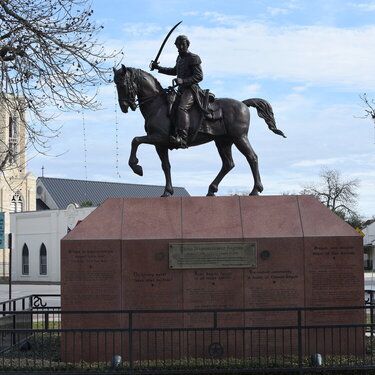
(116, 136)
(84, 149)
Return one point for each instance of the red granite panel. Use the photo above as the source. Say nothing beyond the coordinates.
(151, 218)
(334, 277)
(213, 289)
(334, 271)
(317, 220)
(211, 217)
(90, 274)
(90, 280)
(270, 216)
(103, 223)
(278, 279)
(148, 283)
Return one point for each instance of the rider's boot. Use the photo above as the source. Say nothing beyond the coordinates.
(181, 139)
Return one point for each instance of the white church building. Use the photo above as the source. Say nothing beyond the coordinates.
(36, 242)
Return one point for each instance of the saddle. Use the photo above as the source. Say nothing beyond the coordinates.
(210, 114)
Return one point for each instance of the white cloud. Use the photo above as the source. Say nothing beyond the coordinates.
(366, 7)
(312, 55)
(250, 90)
(140, 29)
(277, 11)
(218, 18)
(300, 89)
(322, 162)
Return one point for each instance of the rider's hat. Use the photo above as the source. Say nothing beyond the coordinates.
(182, 37)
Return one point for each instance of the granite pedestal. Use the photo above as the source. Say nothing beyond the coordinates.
(125, 256)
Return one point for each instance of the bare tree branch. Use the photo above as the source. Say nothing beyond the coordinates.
(369, 106)
(338, 195)
(50, 57)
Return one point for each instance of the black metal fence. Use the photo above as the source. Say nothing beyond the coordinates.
(15, 317)
(35, 338)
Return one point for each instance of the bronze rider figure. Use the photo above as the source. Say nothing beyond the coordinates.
(189, 73)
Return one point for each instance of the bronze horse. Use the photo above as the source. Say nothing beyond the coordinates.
(137, 85)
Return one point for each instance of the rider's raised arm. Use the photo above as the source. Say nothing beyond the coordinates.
(169, 71)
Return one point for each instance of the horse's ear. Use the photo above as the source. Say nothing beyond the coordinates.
(123, 69)
(114, 70)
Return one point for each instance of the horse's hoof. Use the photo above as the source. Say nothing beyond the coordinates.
(209, 194)
(137, 169)
(254, 192)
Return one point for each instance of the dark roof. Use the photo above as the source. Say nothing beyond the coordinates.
(368, 222)
(66, 191)
(40, 205)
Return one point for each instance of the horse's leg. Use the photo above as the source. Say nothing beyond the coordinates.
(225, 152)
(163, 155)
(245, 148)
(133, 160)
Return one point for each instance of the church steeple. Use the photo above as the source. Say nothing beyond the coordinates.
(17, 186)
(12, 134)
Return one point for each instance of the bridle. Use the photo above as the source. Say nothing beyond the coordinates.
(130, 80)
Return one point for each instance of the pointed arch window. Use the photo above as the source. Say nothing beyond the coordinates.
(43, 260)
(25, 260)
(13, 140)
(13, 127)
(16, 204)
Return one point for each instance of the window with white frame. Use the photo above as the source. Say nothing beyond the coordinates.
(25, 260)
(16, 204)
(43, 260)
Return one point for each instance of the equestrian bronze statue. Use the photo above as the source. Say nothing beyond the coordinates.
(189, 116)
(189, 73)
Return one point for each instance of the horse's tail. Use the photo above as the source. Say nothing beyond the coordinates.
(265, 111)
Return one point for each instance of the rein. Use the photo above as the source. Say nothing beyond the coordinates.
(132, 82)
(139, 102)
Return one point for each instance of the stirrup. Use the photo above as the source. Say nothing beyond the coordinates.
(178, 142)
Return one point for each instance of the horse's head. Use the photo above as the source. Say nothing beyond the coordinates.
(126, 88)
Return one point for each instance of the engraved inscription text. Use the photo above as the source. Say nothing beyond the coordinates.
(190, 255)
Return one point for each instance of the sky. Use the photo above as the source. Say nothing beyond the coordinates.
(311, 59)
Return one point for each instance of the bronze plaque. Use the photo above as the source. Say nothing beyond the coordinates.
(212, 255)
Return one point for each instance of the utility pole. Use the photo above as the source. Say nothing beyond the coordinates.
(10, 264)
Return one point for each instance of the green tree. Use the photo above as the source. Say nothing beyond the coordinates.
(49, 57)
(87, 204)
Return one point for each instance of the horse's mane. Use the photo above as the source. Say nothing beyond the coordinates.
(136, 74)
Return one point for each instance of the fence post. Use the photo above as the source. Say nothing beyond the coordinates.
(372, 311)
(215, 319)
(300, 342)
(46, 321)
(14, 307)
(130, 343)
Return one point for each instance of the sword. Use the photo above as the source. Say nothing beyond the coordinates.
(162, 46)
